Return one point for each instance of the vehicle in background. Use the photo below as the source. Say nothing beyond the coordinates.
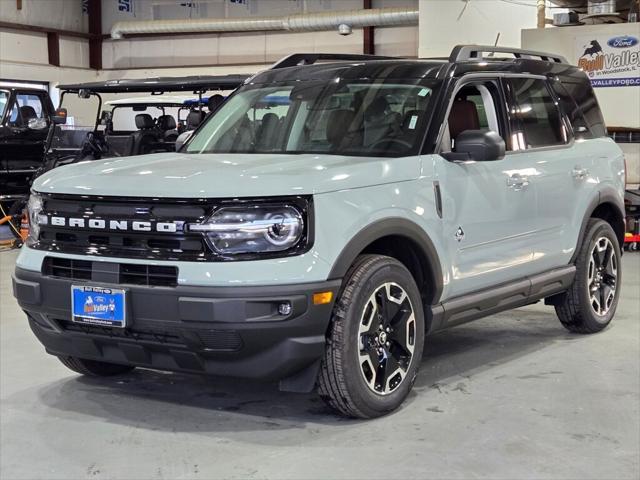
(26, 115)
(149, 126)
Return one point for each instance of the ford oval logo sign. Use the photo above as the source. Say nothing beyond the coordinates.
(624, 41)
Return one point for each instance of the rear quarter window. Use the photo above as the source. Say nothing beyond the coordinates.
(583, 95)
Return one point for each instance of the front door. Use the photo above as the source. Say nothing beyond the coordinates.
(489, 208)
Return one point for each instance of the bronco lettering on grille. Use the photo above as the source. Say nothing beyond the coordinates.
(115, 225)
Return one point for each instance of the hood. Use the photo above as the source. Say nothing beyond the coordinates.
(181, 175)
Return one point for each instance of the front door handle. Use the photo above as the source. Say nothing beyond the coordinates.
(517, 181)
(580, 173)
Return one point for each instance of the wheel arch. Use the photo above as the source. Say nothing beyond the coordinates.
(403, 240)
(607, 206)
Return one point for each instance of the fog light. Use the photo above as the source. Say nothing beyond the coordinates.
(284, 308)
(322, 298)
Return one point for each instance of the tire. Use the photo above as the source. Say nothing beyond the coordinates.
(349, 380)
(581, 309)
(93, 368)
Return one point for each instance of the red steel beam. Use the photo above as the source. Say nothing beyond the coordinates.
(95, 32)
(369, 46)
(53, 47)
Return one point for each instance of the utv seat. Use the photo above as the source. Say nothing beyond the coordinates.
(194, 119)
(143, 140)
(168, 128)
(25, 113)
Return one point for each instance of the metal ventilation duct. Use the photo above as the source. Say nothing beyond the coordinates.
(375, 17)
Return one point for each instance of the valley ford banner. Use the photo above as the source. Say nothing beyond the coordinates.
(610, 61)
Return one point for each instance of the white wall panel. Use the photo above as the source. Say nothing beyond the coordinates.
(74, 52)
(446, 23)
(23, 47)
(396, 41)
(63, 14)
(159, 51)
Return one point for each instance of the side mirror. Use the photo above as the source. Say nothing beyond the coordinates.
(478, 145)
(37, 124)
(60, 116)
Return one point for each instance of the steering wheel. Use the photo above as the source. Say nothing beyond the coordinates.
(389, 142)
(94, 146)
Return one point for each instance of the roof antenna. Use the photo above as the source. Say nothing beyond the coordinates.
(495, 44)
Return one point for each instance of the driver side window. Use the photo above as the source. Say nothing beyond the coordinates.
(26, 107)
(475, 107)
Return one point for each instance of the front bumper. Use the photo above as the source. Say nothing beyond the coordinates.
(231, 331)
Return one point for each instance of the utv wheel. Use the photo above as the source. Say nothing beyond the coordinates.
(94, 368)
(589, 305)
(375, 340)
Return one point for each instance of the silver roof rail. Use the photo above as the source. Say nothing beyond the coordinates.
(462, 53)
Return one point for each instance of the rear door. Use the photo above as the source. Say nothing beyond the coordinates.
(544, 141)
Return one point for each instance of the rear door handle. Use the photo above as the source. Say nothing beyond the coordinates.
(517, 181)
(580, 173)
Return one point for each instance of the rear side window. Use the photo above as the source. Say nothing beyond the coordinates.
(536, 118)
(570, 108)
(582, 94)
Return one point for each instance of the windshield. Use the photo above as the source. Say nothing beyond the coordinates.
(358, 117)
(4, 97)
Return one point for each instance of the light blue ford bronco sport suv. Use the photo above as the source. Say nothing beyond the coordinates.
(332, 213)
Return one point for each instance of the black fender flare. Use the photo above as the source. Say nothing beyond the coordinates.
(607, 195)
(394, 226)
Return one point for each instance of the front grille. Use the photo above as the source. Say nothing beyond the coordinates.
(212, 340)
(125, 242)
(120, 273)
(66, 268)
(222, 340)
(143, 335)
(148, 275)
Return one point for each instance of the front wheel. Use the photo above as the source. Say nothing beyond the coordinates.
(375, 340)
(589, 305)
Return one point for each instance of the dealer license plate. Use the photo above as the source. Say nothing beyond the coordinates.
(98, 306)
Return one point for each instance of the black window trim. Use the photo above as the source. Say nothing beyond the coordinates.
(512, 102)
(474, 78)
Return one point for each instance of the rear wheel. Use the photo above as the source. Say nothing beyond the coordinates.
(94, 368)
(375, 342)
(590, 304)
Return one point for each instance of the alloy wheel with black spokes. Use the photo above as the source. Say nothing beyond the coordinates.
(589, 304)
(375, 339)
(603, 276)
(387, 336)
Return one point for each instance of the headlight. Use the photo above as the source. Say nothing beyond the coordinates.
(34, 208)
(253, 229)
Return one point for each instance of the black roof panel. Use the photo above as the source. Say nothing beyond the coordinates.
(354, 70)
(161, 84)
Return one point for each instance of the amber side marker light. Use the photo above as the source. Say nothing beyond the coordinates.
(322, 298)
